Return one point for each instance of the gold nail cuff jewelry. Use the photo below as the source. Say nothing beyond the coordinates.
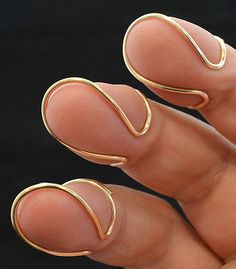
(192, 42)
(103, 235)
(115, 160)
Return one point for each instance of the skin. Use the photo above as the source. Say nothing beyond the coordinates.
(180, 156)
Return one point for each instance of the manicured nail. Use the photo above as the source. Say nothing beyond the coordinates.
(157, 51)
(85, 117)
(65, 220)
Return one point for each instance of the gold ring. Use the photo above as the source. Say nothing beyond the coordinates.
(194, 45)
(103, 235)
(116, 160)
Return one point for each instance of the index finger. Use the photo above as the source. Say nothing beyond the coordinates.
(186, 65)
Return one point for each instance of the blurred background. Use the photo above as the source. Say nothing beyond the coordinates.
(43, 41)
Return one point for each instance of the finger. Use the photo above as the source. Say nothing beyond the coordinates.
(146, 232)
(230, 265)
(156, 49)
(178, 155)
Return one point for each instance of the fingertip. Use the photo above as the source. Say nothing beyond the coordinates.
(158, 51)
(82, 117)
(155, 49)
(53, 221)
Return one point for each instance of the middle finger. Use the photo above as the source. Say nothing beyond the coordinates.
(178, 155)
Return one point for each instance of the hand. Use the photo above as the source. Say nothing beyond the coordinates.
(178, 156)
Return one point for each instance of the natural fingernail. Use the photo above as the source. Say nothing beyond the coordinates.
(100, 122)
(53, 219)
(174, 58)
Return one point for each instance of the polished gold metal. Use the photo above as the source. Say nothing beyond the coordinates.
(103, 235)
(194, 45)
(115, 159)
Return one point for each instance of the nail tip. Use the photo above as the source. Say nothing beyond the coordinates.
(119, 160)
(103, 235)
(195, 46)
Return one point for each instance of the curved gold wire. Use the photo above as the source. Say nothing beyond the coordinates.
(103, 235)
(116, 160)
(194, 45)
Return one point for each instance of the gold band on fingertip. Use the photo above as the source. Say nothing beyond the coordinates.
(103, 235)
(194, 45)
(116, 161)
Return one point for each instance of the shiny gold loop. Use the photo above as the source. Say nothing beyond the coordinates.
(103, 235)
(116, 160)
(194, 45)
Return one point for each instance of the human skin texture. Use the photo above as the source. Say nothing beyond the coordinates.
(179, 156)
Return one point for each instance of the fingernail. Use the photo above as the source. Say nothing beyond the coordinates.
(96, 120)
(65, 220)
(163, 55)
